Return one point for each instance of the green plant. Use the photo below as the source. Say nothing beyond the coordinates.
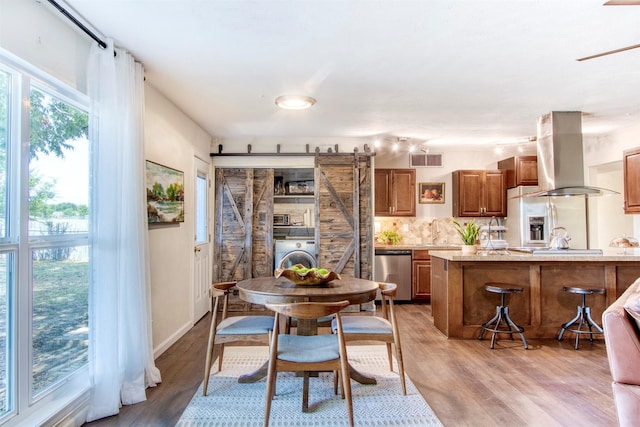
(469, 233)
(389, 237)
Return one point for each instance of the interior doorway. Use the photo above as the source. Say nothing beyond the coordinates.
(202, 240)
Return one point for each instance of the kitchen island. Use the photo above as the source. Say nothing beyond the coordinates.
(460, 304)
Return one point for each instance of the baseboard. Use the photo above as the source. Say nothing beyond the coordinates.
(163, 346)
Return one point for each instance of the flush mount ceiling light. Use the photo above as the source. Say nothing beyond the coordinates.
(295, 102)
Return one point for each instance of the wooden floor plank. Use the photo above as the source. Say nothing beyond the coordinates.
(464, 381)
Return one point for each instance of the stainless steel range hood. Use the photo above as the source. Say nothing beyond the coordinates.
(560, 157)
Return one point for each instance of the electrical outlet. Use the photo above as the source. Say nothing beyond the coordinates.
(405, 227)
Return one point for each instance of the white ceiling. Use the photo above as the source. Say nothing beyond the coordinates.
(443, 71)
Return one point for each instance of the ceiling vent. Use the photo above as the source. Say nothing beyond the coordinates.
(432, 160)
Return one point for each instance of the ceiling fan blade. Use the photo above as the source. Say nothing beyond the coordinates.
(598, 55)
(623, 3)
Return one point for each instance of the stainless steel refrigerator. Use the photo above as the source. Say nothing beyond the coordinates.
(530, 219)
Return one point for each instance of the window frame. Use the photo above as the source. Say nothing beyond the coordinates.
(24, 406)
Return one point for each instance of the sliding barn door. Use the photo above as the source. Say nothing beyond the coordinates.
(244, 217)
(344, 233)
(262, 224)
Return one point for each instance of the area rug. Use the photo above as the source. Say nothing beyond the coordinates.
(229, 403)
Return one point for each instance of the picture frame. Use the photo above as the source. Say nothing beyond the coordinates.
(165, 194)
(431, 192)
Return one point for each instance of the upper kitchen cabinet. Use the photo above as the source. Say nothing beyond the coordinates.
(479, 193)
(520, 170)
(395, 192)
(631, 171)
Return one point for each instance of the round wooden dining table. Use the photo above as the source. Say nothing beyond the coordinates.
(262, 290)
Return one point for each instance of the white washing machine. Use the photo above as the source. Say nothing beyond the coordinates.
(291, 252)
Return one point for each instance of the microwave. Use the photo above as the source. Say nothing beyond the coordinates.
(281, 219)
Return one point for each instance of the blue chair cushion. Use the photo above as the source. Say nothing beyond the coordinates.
(242, 325)
(308, 349)
(364, 325)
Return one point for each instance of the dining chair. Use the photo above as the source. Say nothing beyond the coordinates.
(376, 328)
(251, 329)
(305, 353)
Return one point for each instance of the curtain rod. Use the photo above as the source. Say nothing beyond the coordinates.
(79, 24)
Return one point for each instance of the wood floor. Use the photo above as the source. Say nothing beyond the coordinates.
(464, 381)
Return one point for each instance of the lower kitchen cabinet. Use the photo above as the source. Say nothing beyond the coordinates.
(421, 277)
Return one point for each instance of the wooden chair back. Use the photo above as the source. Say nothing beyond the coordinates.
(307, 310)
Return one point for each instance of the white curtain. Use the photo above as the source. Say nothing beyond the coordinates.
(120, 348)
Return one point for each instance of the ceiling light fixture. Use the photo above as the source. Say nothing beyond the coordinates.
(295, 102)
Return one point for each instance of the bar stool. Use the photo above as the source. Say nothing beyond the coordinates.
(502, 319)
(584, 314)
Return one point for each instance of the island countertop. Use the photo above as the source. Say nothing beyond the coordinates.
(609, 255)
(460, 304)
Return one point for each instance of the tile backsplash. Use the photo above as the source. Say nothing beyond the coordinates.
(426, 230)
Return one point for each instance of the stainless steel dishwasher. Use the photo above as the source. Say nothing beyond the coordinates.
(394, 265)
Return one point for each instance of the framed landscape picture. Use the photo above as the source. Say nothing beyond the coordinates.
(165, 194)
(431, 192)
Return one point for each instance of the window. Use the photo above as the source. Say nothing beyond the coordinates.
(44, 240)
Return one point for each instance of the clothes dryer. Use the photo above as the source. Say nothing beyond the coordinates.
(291, 252)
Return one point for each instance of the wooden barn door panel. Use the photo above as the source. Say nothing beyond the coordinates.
(262, 235)
(243, 228)
(343, 214)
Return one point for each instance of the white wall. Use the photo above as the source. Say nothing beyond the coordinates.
(38, 34)
(172, 139)
(603, 166)
(31, 31)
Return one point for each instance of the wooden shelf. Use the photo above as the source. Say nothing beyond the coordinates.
(306, 199)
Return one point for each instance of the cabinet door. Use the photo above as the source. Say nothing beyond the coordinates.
(495, 193)
(404, 192)
(631, 170)
(527, 170)
(469, 199)
(383, 192)
(520, 170)
(479, 193)
(395, 193)
(421, 289)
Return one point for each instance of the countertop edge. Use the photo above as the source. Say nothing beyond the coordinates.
(453, 255)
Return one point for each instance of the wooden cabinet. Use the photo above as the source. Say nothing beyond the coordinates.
(631, 171)
(421, 276)
(395, 192)
(520, 170)
(479, 193)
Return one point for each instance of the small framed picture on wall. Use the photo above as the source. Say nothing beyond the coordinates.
(431, 192)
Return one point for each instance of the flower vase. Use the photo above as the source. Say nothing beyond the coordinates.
(468, 249)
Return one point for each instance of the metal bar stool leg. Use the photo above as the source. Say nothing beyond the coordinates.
(517, 329)
(501, 323)
(583, 317)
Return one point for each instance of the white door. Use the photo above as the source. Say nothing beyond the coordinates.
(201, 259)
